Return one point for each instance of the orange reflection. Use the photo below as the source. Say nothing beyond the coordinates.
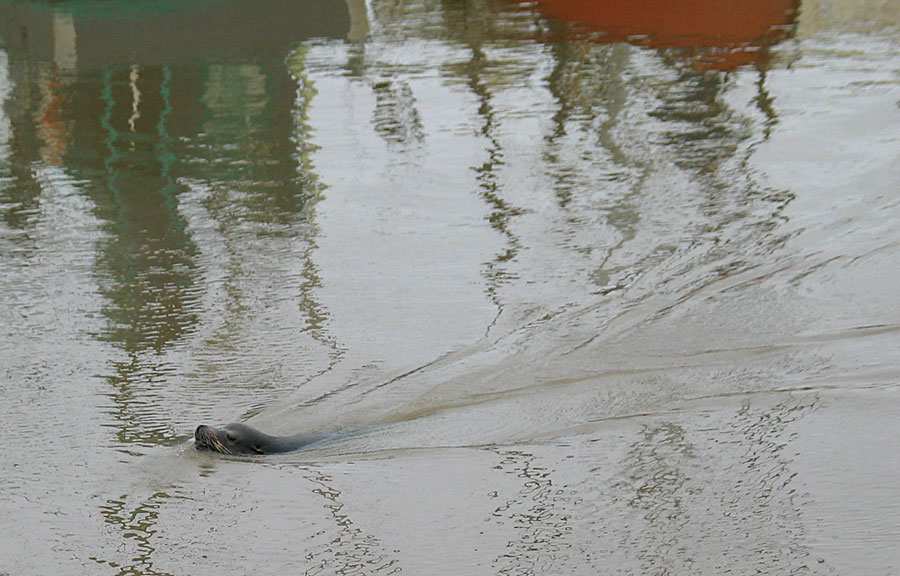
(713, 34)
(52, 126)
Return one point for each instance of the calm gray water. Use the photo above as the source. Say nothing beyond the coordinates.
(581, 306)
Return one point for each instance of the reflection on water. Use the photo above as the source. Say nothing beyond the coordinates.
(579, 273)
(686, 503)
(346, 549)
(471, 27)
(147, 261)
(132, 134)
(538, 513)
(137, 526)
(710, 35)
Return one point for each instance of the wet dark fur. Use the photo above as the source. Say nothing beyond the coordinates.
(238, 438)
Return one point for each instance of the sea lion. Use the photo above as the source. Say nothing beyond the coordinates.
(238, 438)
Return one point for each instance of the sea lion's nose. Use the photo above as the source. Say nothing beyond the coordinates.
(199, 431)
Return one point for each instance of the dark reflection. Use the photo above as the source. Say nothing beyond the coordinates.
(313, 311)
(27, 109)
(471, 24)
(123, 148)
(699, 122)
(86, 34)
(245, 149)
(396, 117)
(539, 513)
(692, 489)
(589, 86)
(658, 470)
(137, 527)
(138, 101)
(596, 86)
(348, 549)
(714, 147)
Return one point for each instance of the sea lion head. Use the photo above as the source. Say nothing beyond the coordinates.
(229, 439)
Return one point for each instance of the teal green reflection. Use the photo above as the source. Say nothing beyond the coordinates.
(119, 9)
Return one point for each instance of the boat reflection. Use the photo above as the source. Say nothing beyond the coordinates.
(710, 35)
(96, 34)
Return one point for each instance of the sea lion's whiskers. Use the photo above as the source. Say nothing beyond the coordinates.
(217, 446)
(207, 439)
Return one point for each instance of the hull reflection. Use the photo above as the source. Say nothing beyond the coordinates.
(714, 35)
(91, 35)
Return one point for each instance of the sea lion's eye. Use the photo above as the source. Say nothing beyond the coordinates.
(230, 436)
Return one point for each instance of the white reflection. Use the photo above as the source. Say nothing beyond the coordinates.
(133, 78)
(5, 89)
(64, 51)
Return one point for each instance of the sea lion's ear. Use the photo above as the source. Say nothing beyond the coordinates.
(257, 450)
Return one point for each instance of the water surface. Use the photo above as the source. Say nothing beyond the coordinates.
(592, 295)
